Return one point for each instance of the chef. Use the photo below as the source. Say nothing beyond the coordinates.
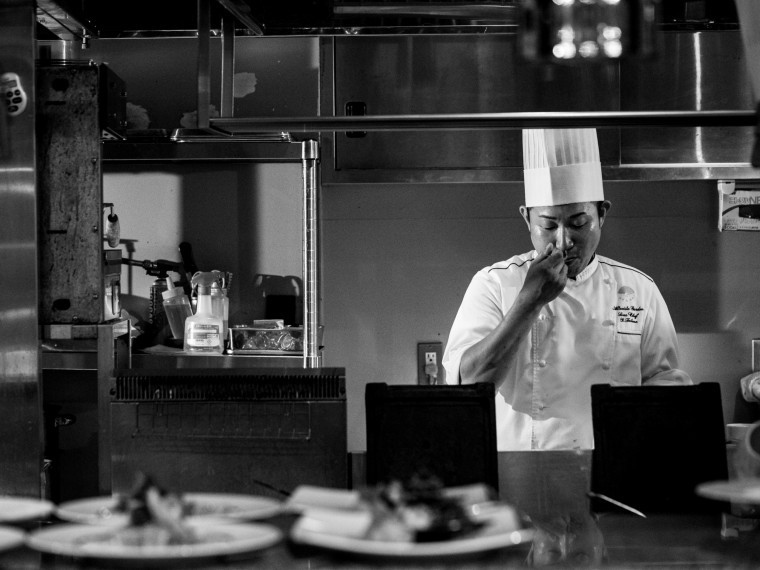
(544, 326)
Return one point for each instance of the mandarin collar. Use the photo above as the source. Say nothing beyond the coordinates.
(586, 274)
(583, 276)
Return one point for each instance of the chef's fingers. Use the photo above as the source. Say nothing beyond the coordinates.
(554, 256)
(548, 251)
(563, 273)
(543, 254)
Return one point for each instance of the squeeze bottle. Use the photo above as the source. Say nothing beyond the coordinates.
(204, 331)
(177, 308)
(220, 306)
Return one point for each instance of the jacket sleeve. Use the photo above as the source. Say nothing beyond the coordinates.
(480, 313)
(659, 347)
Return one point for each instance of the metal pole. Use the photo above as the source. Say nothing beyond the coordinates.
(228, 67)
(310, 158)
(478, 121)
(204, 79)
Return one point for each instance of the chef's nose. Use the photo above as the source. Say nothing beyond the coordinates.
(563, 241)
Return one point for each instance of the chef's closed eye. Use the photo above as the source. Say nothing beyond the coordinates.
(580, 222)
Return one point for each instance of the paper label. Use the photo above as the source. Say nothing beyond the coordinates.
(203, 336)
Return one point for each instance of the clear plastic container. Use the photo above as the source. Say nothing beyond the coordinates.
(220, 307)
(177, 308)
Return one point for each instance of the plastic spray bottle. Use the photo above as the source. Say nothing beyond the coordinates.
(177, 308)
(204, 331)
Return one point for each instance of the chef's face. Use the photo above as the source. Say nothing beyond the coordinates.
(574, 229)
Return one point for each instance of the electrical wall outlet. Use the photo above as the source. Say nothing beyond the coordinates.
(429, 357)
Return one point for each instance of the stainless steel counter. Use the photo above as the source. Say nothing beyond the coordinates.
(549, 487)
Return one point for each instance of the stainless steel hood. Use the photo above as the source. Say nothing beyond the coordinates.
(449, 75)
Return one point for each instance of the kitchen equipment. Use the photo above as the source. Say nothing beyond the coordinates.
(159, 269)
(257, 430)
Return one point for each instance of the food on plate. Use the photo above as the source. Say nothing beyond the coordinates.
(418, 510)
(156, 517)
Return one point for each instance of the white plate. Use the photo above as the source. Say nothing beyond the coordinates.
(88, 541)
(491, 537)
(10, 538)
(21, 509)
(744, 491)
(237, 508)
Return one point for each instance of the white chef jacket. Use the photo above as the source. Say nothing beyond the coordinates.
(609, 325)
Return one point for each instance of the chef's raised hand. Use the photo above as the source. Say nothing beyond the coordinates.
(546, 277)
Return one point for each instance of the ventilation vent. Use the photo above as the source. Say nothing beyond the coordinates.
(229, 385)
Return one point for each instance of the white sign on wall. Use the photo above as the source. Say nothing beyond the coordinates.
(739, 206)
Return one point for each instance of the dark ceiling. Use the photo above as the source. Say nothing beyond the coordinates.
(141, 18)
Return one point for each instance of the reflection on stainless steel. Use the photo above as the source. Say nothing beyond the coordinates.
(616, 503)
(63, 23)
(697, 72)
(591, 30)
(242, 13)
(481, 121)
(185, 135)
(310, 158)
(21, 448)
(749, 15)
(696, 89)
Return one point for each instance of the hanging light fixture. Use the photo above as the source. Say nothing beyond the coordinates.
(588, 30)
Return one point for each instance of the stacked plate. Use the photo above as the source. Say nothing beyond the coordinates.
(220, 524)
(18, 511)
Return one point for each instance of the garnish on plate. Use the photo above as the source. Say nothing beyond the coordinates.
(156, 516)
(417, 510)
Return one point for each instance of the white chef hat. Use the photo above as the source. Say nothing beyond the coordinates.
(562, 166)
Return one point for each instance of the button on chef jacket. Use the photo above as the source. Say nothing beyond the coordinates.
(610, 325)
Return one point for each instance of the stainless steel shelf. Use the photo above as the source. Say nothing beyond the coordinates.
(175, 361)
(477, 121)
(212, 150)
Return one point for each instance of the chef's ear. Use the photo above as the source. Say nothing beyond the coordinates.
(525, 213)
(603, 208)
